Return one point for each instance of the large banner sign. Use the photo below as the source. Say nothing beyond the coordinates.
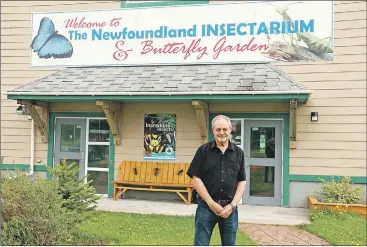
(239, 32)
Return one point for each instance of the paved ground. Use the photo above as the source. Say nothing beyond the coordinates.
(280, 235)
(247, 213)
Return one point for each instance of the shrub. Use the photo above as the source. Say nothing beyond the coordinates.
(32, 212)
(78, 197)
(340, 192)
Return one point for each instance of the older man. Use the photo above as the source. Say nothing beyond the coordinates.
(218, 174)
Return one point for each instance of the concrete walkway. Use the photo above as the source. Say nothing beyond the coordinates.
(247, 213)
(280, 235)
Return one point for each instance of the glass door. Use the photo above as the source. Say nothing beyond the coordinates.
(263, 161)
(70, 142)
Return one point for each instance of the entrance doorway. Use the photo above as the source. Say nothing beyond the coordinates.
(84, 142)
(261, 141)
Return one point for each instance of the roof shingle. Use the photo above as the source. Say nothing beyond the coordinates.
(213, 78)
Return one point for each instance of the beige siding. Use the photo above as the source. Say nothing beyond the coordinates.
(336, 144)
(249, 108)
(132, 131)
(16, 71)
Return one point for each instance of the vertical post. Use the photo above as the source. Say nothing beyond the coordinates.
(292, 124)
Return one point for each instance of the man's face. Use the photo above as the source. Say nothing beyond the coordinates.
(221, 130)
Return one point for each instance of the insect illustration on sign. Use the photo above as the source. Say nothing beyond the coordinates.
(48, 43)
(180, 172)
(289, 50)
(135, 171)
(156, 171)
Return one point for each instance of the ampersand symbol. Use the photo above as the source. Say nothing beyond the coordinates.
(121, 54)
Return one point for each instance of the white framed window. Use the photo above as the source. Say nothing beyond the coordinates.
(237, 133)
(97, 153)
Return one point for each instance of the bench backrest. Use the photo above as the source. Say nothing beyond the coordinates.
(155, 172)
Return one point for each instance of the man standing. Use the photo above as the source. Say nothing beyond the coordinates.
(218, 174)
(270, 153)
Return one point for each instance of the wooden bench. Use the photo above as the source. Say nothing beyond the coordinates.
(153, 176)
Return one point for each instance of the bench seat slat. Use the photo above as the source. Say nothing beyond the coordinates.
(152, 189)
(152, 184)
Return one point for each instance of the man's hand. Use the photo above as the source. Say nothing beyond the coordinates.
(216, 208)
(226, 211)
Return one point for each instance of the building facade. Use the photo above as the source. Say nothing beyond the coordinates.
(297, 122)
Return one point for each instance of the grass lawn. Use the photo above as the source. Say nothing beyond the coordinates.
(338, 228)
(107, 228)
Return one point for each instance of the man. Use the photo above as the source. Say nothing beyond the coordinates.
(218, 174)
(270, 153)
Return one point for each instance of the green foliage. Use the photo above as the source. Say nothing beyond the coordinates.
(338, 227)
(340, 192)
(137, 229)
(78, 197)
(32, 212)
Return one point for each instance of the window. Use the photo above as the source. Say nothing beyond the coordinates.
(136, 4)
(237, 132)
(98, 152)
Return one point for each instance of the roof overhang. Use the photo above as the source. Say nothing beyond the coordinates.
(210, 97)
(213, 83)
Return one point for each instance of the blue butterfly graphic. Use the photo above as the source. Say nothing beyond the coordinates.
(48, 43)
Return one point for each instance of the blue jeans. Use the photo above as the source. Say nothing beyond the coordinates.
(205, 221)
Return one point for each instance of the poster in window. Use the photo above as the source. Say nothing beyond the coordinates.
(160, 136)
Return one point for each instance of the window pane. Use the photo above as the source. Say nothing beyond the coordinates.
(70, 138)
(100, 181)
(98, 156)
(262, 142)
(236, 132)
(262, 181)
(75, 164)
(99, 131)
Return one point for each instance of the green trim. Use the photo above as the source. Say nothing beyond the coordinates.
(316, 178)
(263, 98)
(23, 167)
(285, 195)
(52, 118)
(111, 167)
(285, 117)
(124, 4)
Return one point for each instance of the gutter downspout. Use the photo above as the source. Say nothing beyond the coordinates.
(31, 161)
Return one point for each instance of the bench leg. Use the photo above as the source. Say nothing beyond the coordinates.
(189, 195)
(116, 195)
(114, 192)
(182, 197)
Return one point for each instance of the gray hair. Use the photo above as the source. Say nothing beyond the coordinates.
(222, 116)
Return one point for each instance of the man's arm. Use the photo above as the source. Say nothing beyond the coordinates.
(201, 190)
(203, 193)
(241, 178)
(228, 210)
(241, 185)
(239, 192)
